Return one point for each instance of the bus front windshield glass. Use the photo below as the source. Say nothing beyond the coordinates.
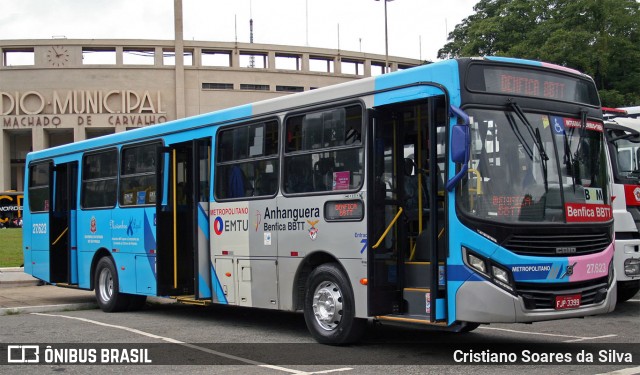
(533, 167)
(627, 155)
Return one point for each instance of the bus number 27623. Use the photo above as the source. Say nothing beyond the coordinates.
(40, 228)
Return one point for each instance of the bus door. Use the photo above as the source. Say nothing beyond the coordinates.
(63, 261)
(183, 257)
(406, 216)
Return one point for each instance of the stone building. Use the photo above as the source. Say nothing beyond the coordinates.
(58, 91)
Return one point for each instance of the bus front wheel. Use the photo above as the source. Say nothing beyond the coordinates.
(329, 307)
(107, 287)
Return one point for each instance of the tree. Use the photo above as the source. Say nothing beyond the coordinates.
(598, 37)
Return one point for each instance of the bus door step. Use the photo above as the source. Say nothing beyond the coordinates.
(191, 300)
(410, 318)
(67, 285)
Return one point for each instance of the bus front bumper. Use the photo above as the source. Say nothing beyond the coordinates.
(483, 302)
(626, 258)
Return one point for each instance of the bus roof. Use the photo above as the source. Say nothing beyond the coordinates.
(435, 72)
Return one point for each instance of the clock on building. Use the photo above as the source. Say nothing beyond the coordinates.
(57, 56)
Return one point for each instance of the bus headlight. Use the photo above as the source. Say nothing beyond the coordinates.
(491, 271)
(477, 263)
(632, 267)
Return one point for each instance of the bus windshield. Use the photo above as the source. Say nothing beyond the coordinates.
(532, 167)
(626, 143)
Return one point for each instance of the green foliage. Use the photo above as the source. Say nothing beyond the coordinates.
(11, 248)
(598, 37)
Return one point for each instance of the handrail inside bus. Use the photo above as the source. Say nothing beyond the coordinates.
(60, 236)
(174, 207)
(384, 235)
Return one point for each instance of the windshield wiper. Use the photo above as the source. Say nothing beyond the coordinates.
(583, 129)
(537, 139)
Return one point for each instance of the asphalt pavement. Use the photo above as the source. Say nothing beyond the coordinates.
(21, 293)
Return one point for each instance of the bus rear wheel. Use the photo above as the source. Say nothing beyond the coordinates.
(329, 307)
(107, 287)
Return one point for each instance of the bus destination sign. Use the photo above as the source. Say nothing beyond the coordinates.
(351, 210)
(531, 83)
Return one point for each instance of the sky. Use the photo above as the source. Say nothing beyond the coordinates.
(416, 28)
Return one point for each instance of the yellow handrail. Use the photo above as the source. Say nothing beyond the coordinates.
(478, 180)
(60, 236)
(175, 219)
(388, 229)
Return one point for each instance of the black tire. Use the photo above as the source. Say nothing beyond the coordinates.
(627, 289)
(329, 307)
(107, 287)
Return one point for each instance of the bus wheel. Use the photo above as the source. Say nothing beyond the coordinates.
(329, 307)
(107, 287)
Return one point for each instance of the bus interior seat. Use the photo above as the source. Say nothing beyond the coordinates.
(237, 182)
(298, 176)
(266, 184)
(411, 191)
(323, 174)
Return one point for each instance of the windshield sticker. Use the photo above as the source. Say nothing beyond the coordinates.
(559, 124)
(593, 195)
(586, 213)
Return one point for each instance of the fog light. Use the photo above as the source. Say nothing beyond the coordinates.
(476, 263)
(501, 277)
(632, 267)
(500, 274)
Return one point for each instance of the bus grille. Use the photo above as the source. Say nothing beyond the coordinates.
(543, 296)
(558, 245)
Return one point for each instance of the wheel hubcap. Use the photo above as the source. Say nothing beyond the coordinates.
(105, 286)
(327, 305)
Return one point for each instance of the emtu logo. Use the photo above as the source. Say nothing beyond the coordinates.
(218, 225)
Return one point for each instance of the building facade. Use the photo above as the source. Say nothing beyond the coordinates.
(59, 91)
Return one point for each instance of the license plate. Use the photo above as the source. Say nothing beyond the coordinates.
(568, 302)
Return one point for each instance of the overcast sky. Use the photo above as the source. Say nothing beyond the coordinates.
(417, 28)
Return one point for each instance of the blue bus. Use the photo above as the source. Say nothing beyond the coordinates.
(458, 193)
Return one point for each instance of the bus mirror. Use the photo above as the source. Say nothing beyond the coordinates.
(460, 145)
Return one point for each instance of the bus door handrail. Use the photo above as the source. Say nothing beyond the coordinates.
(60, 236)
(384, 235)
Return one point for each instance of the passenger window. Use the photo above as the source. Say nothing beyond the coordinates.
(324, 151)
(99, 179)
(247, 161)
(39, 192)
(138, 175)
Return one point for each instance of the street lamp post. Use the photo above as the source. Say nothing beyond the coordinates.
(386, 39)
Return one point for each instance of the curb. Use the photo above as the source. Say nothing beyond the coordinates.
(48, 308)
(17, 283)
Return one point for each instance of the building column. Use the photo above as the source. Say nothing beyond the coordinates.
(367, 67)
(179, 67)
(5, 161)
